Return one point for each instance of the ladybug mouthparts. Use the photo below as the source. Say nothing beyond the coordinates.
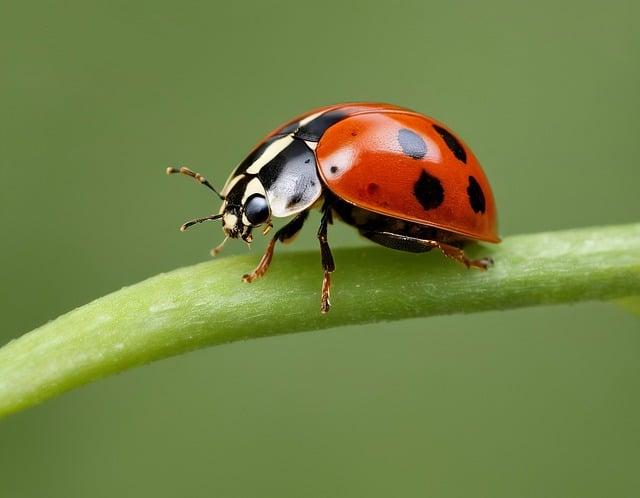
(232, 224)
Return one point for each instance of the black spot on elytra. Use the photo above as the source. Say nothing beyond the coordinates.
(476, 195)
(453, 143)
(428, 190)
(333, 169)
(412, 144)
(372, 188)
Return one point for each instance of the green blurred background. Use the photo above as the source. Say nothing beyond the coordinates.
(97, 98)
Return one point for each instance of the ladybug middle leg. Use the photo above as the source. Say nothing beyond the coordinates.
(413, 244)
(285, 234)
(328, 265)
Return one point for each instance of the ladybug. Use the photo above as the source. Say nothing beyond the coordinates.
(404, 180)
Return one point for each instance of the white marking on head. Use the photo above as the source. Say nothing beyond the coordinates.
(229, 220)
(272, 150)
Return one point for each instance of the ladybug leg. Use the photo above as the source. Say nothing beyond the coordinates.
(458, 254)
(285, 234)
(328, 265)
(413, 244)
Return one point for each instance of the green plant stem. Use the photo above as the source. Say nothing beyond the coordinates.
(207, 304)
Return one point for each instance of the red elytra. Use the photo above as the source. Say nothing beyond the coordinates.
(361, 160)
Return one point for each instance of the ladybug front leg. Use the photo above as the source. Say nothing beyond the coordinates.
(404, 242)
(328, 265)
(285, 234)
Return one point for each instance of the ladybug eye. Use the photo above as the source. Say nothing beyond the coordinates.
(256, 209)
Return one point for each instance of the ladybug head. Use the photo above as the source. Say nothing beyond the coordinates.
(245, 207)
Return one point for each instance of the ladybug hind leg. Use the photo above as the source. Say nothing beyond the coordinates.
(286, 233)
(414, 244)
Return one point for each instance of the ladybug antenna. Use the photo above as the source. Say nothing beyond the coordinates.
(196, 176)
(200, 220)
